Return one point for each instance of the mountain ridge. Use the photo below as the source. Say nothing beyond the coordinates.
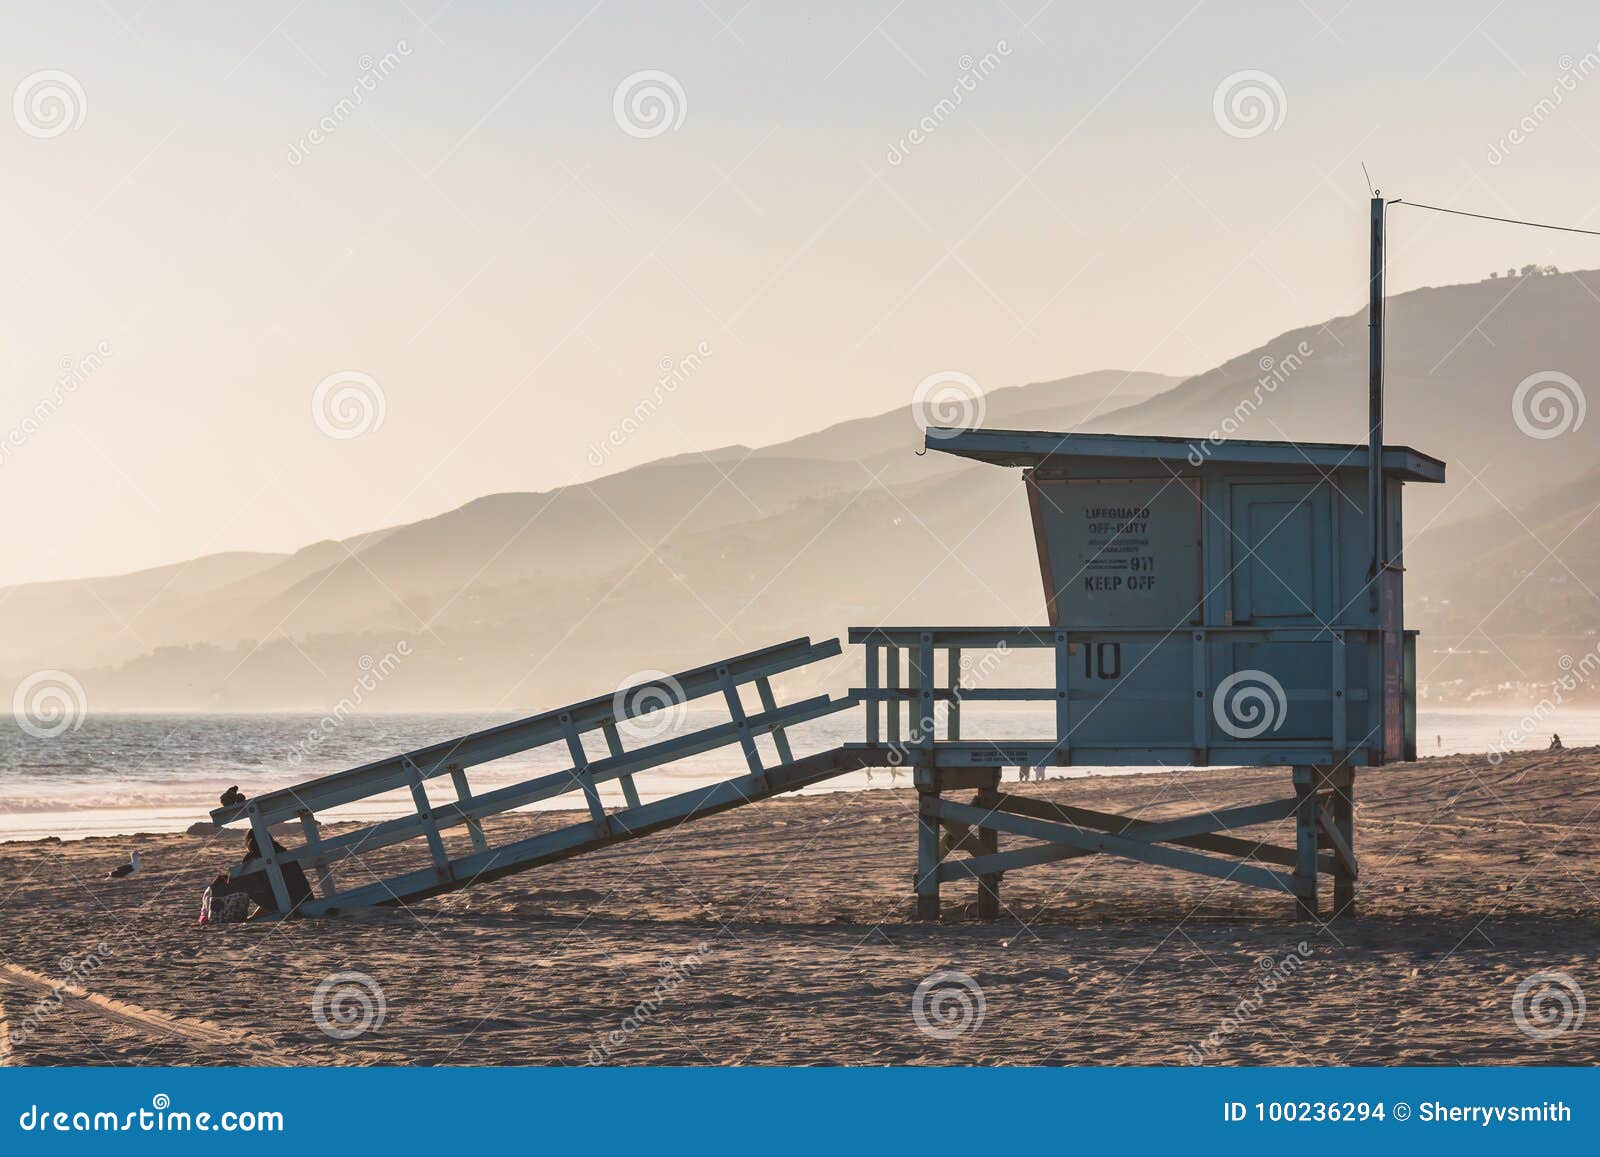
(528, 598)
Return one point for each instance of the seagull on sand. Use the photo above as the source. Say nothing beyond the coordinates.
(121, 871)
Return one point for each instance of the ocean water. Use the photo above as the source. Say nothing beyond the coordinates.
(117, 774)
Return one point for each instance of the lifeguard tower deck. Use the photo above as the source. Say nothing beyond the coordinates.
(1206, 603)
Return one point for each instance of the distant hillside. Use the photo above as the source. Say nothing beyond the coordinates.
(526, 600)
(1456, 355)
(668, 552)
(1510, 600)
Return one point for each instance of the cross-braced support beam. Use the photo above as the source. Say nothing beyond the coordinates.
(1325, 837)
(959, 841)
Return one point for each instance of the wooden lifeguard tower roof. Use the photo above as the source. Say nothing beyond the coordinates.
(1043, 447)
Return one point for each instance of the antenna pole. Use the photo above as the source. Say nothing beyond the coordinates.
(1384, 583)
(1375, 503)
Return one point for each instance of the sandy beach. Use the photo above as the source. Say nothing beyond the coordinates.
(782, 934)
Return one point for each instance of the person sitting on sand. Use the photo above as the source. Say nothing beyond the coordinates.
(224, 902)
(1555, 742)
(260, 888)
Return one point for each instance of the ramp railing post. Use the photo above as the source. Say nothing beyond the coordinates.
(464, 797)
(747, 741)
(630, 790)
(430, 828)
(780, 738)
(580, 771)
(313, 834)
(269, 853)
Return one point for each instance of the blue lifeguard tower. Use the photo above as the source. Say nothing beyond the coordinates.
(1207, 602)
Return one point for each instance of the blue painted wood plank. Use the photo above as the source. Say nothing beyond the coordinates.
(520, 735)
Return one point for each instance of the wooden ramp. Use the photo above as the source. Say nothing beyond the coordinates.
(632, 712)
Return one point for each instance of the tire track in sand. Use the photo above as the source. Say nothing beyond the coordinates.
(252, 1050)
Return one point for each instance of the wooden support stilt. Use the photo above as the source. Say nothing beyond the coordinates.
(928, 853)
(1342, 815)
(1306, 780)
(989, 844)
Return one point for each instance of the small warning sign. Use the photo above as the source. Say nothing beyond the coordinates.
(1122, 553)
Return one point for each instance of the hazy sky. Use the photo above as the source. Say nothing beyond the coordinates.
(203, 214)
